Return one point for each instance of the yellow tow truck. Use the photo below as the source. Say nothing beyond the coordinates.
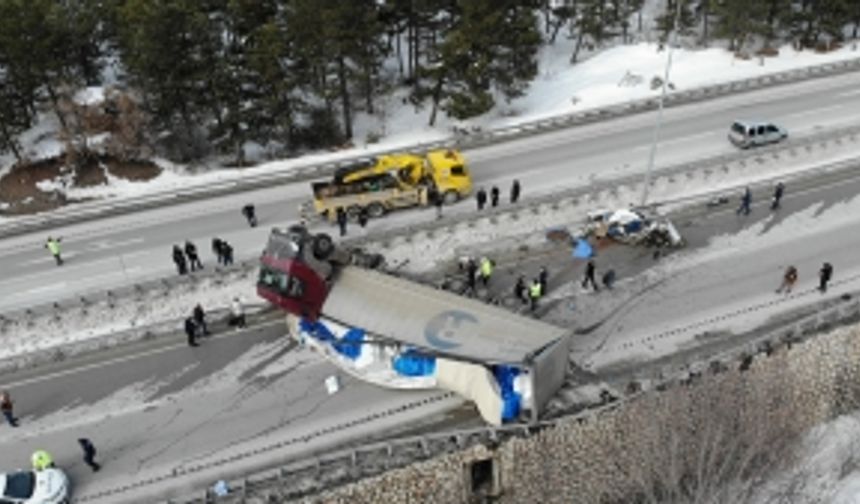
(393, 181)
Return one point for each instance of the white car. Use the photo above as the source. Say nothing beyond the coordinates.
(746, 134)
(50, 486)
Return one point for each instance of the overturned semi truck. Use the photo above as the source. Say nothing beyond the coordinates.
(397, 333)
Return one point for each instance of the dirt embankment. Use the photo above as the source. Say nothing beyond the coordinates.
(21, 195)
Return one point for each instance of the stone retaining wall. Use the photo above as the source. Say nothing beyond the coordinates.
(731, 425)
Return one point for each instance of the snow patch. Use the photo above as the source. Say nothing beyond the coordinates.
(92, 95)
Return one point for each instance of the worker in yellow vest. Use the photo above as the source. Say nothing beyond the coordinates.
(42, 460)
(53, 245)
(486, 270)
(535, 292)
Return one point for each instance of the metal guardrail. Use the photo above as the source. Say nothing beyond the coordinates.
(89, 211)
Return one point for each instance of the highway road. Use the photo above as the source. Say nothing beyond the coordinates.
(121, 250)
(158, 407)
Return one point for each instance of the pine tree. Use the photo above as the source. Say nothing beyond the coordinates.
(623, 10)
(832, 16)
(490, 46)
(278, 102)
(773, 14)
(236, 90)
(14, 116)
(86, 37)
(32, 45)
(561, 14)
(737, 20)
(175, 87)
(312, 55)
(589, 23)
(686, 22)
(854, 17)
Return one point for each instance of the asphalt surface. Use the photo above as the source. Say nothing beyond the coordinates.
(157, 407)
(126, 249)
(152, 409)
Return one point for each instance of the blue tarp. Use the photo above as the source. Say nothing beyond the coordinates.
(349, 346)
(582, 249)
(412, 363)
(511, 401)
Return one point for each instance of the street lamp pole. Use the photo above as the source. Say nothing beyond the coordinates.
(656, 136)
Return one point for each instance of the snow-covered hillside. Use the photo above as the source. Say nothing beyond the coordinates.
(615, 75)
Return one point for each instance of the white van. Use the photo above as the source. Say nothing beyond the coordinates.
(745, 134)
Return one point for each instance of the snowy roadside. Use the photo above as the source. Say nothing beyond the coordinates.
(828, 469)
(111, 322)
(614, 76)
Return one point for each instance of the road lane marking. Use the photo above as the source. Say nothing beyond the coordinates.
(126, 358)
(806, 113)
(663, 143)
(850, 93)
(48, 258)
(89, 279)
(107, 243)
(45, 288)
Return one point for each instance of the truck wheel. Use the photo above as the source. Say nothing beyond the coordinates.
(353, 212)
(451, 197)
(322, 247)
(375, 210)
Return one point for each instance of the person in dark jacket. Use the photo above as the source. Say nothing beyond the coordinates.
(362, 218)
(179, 260)
(515, 191)
(543, 278)
(250, 214)
(200, 319)
(746, 201)
(217, 250)
(89, 454)
(471, 275)
(825, 274)
(191, 332)
(439, 200)
(193, 258)
(589, 276)
(520, 289)
(6, 406)
(341, 220)
(609, 279)
(481, 198)
(227, 252)
(494, 197)
(777, 195)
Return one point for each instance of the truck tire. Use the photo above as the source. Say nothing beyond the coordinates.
(375, 210)
(451, 197)
(322, 247)
(353, 212)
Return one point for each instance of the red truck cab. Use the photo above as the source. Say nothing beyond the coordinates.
(294, 271)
